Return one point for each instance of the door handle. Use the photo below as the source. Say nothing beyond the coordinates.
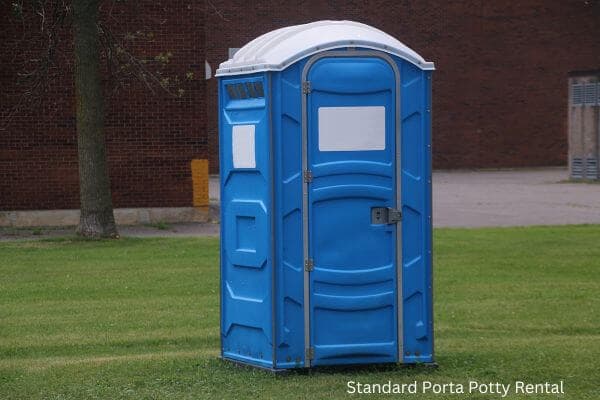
(385, 215)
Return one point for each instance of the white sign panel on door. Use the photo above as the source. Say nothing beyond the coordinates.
(351, 128)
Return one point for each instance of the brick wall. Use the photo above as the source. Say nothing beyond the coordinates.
(500, 89)
(151, 138)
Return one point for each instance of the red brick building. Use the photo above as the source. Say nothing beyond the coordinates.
(499, 92)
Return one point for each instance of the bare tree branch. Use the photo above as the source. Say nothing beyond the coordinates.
(34, 76)
(217, 11)
(123, 64)
(45, 21)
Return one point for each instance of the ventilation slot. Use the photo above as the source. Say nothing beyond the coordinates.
(231, 92)
(591, 168)
(577, 94)
(250, 89)
(245, 90)
(590, 97)
(241, 90)
(260, 92)
(576, 168)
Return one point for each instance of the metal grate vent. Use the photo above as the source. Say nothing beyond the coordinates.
(590, 97)
(577, 94)
(577, 168)
(591, 168)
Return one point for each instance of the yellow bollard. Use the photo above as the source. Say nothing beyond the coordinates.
(200, 182)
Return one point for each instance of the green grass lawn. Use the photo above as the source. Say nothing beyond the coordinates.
(138, 318)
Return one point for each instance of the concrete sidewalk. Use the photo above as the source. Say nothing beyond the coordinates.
(460, 199)
(506, 198)
(513, 198)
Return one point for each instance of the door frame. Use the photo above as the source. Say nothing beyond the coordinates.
(398, 152)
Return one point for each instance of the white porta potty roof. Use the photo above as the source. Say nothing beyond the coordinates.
(276, 50)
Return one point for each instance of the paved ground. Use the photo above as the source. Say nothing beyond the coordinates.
(460, 199)
(512, 198)
(507, 198)
(150, 230)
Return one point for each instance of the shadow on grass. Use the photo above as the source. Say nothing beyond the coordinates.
(406, 369)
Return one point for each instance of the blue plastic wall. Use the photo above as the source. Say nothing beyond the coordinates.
(262, 317)
(246, 232)
(416, 211)
(289, 296)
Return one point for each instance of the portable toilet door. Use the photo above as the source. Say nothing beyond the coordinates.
(344, 195)
(352, 204)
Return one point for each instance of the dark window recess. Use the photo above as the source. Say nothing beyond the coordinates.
(241, 90)
(251, 90)
(231, 92)
(237, 91)
(258, 88)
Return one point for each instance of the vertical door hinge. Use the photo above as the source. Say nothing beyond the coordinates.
(308, 176)
(310, 353)
(309, 264)
(306, 87)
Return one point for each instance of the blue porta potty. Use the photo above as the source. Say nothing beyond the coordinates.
(325, 199)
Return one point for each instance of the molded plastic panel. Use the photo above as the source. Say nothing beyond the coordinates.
(279, 49)
(246, 262)
(416, 210)
(287, 120)
(353, 298)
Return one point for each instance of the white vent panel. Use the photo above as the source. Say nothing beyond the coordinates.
(590, 97)
(577, 168)
(591, 168)
(577, 94)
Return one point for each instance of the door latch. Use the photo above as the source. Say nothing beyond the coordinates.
(385, 215)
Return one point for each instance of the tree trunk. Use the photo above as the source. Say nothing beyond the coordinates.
(97, 218)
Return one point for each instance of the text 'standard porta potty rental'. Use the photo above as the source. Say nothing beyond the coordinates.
(325, 199)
